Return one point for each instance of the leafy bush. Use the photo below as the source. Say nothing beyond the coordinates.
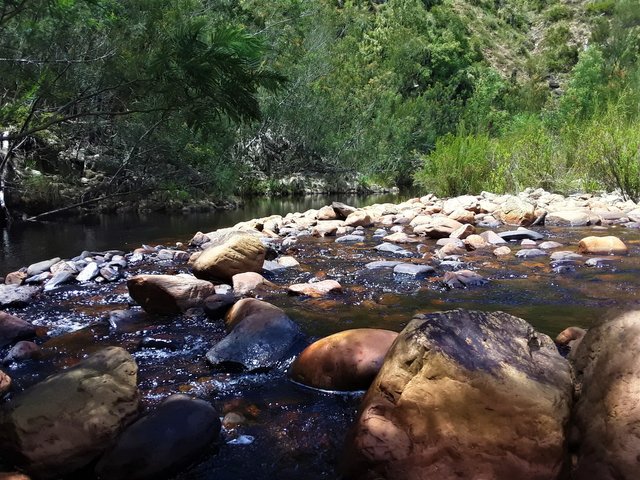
(601, 7)
(558, 12)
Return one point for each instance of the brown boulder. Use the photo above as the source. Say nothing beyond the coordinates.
(464, 394)
(239, 254)
(64, 422)
(359, 218)
(437, 227)
(602, 246)
(327, 213)
(607, 411)
(347, 360)
(250, 282)
(169, 294)
(516, 211)
(248, 307)
(13, 328)
(5, 383)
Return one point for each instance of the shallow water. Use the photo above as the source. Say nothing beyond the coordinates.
(298, 432)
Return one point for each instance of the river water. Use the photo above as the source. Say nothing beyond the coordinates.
(26, 243)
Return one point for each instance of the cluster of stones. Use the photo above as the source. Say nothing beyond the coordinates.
(459, 393)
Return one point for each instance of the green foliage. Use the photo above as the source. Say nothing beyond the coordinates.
(558, 12)
(600, 7)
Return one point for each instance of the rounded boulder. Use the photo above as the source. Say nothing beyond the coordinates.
(347, 360)
(239, 254)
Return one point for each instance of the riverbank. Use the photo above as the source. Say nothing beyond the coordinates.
(391, 263)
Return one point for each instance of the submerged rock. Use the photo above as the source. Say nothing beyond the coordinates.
(346, 360)
(22, 350)
(463, 279)
(158, 444)
(411, 270)
(62, 423)
(607, 410)
(464, 394)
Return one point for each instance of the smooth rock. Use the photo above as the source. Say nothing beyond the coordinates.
(417, 272)
(475, 242)
(531, 253)
(462, 394)
(217, 305)
(520, 234)
(599, 262)
(169, 294)
(549, 245)
(463, 279)
(359, 218)
(64, 422)
(573, 218)
(250, 282)
(437, 227)
(171, 437)
(382, 264)
(350, 239)
(493, 238)
(565, 255)
(260, 337)
(14, 328)
(502, 251)
(316, 289)
(239, 254)
(400, 237)
(327, 213)
(347, 360)
(516, 211)
(41, 267)
(58, 279)
(23, 350)
(342, 210)
(463, 232)
(609, 245)
(607, 410)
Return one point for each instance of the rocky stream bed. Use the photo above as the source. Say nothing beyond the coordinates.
(126, 365)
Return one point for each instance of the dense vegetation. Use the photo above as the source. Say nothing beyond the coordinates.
(232, 96)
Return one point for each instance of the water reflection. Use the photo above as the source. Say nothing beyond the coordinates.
(26, 243)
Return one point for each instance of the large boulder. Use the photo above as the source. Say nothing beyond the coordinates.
(608, 406)
(515, 211)
(359, 218)
(64, 422)
(437, 227)
(571, 218)
(169, 294)
(609, 245)
(464, 394)
(13, 328)
(158, 444)
(346, 360)
(239, 254)
(261, 335)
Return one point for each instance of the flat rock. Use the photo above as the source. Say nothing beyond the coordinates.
(417, 272)
(463, 279)
(350, 239)
(316, 289)
(572, 218)
(160, 443)
(400, 237)
(549, 245)
(91, 271)
(520, 234)
(169, 294)
(464, 394)
(531, 253)
(600, 262)
(565, 255)
(382, 264)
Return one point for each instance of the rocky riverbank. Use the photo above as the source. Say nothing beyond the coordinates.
(214, 341)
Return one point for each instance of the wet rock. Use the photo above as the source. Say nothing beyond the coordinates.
(607, 410)
(609, 245)
(5, 383)
(565, 255)
(41, 267)
(110, 274)
(62, 423)
(452, 265)
(437, 227)
(15, 278)
(15, 295)
(400, 237)
(169, 294)
(391, 248)
(382, 264)
(417, 272)
(57, 280)
(14, 328)
(316, 289)
(516, 211)
(531, 253)
(502, 251)
(347, 360)
(250, 282)
(175, 434)
(464, 395)
(350, 239)
(260, 336)
(217, 305)
(239, 254)
(549, 245)
(91, 271)
(463, 279)
(520, 234)
(599, 262)
(359, 218)
(23, 350)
